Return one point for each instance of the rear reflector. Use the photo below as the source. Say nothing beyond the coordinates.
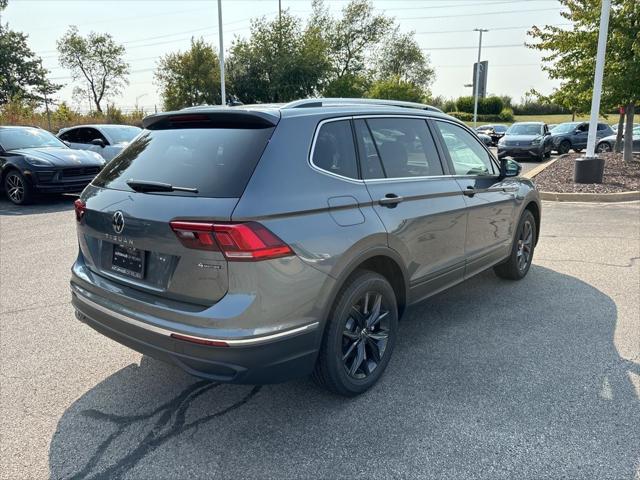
(200, 341)
(248, 241)
(80, 207)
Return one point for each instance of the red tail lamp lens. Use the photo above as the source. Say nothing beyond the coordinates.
(237, 241)
(80, 207)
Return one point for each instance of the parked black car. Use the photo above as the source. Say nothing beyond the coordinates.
(33, 161)
(573, 136)
(496, 132)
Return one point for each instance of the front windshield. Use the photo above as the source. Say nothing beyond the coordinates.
(16, 138)
(121, 133)
(564, 128)
(500, 128)
(525, 129)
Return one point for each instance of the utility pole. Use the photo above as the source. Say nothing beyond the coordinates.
(280, 11)
(475, 93)
(590, 168)
(222, 92)
(46, 100)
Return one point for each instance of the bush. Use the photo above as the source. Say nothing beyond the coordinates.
(534, 107)
(490, 105)
(486, 106)
(396, 89)
(505, 116)
(464, 104)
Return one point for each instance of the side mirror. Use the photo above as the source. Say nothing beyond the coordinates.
(547, 133)
(509, 168)
(98, 141)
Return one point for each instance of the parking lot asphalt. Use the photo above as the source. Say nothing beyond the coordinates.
(492, 379)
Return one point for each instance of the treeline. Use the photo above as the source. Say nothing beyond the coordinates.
(360, 53)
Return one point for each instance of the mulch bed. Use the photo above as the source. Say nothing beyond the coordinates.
(619, 176)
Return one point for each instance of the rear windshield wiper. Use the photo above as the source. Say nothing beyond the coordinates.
(148, 186)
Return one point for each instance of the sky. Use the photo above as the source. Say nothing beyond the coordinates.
(151, 28)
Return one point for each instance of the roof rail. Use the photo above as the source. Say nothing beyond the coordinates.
(328, 102)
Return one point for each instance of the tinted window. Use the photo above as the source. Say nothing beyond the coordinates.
(467, 154)
(602, 126)
(16, 138)
(405, 147)
(525, 129)
(369, 159)
(216, 161)
(334, 150)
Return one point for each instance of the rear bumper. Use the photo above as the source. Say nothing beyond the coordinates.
(270, 358)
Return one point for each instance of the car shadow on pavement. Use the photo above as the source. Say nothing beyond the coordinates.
(491, 379)
(47, 204)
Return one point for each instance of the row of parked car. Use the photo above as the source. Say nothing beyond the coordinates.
(537, 140)
(34, 161)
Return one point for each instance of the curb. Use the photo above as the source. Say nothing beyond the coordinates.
(535, 171)
(591, 197)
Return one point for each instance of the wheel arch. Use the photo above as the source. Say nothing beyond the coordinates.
(382, 260)
(534, 208)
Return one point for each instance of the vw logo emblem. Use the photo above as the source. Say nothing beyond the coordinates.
(118, 222)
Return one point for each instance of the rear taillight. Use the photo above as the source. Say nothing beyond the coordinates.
(80, 207)
(248, 241)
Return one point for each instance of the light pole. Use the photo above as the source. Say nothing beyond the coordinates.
(590, 168)
(475, 93)
(222, 93)
(138, 98)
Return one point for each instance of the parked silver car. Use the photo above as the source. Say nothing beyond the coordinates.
(607, 143)
(106, 140)
(259, 243)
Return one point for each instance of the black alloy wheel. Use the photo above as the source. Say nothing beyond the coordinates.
(365, 335)
(518, 264)
(359, 336)
(17, 188)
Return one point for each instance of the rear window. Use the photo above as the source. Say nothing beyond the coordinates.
(218, 162)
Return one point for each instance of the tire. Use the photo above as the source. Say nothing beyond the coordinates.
(17, 189)
(547, 154)
(564, 147)
(519, 261)
(350, 361)
(603, 147)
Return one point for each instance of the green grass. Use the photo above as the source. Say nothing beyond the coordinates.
(550, 119)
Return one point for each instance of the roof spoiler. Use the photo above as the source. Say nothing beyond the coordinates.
(211, 117)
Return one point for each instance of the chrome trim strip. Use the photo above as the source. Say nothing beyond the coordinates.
(166, 332)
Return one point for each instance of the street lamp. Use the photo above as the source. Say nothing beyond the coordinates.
(475, 94)
(590, 168)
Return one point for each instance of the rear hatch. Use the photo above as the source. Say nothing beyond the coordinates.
(138, 221)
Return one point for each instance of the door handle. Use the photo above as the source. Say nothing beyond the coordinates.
(469, 192)
(390, 200)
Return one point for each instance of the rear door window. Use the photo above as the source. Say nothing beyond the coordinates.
(218, 162)
(334, 150)
(405, 147)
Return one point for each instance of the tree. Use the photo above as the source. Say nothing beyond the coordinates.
(97, 60)
(394, 88)
(402, 58)
(351, 41)
(189, 78)
(21, 71)
(572, 54)
(279, 62)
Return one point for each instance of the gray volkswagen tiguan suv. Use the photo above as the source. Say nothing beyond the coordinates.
(260, 243)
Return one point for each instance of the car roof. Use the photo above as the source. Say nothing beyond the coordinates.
(323, 107)
(528, 123)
